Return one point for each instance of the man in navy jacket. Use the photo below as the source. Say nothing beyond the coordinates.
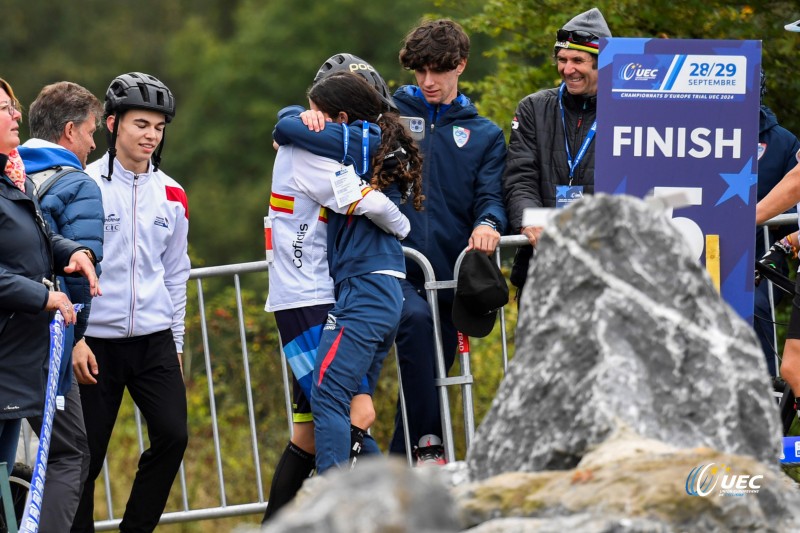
(62, 120)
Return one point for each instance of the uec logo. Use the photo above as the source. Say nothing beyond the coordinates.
(703, 479)
(635, 70)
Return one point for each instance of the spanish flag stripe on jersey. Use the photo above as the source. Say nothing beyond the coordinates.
(365, 191)
(281, 202)
(323, 214)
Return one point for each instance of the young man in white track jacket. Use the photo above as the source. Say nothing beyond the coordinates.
(135, 333)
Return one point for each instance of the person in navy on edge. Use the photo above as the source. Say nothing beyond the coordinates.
(62, 120)
(777, 155)
(784, 195)
(463, 159)
(365, 262)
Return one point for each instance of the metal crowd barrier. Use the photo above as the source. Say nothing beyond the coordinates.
(225, 510)
(465, 378)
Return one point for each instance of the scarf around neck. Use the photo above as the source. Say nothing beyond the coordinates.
(15, 169)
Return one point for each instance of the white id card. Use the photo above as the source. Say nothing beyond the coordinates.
(346, 186)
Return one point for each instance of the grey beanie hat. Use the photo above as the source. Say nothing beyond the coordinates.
(589, 22)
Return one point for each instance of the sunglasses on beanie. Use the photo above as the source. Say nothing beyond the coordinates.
(576, 36)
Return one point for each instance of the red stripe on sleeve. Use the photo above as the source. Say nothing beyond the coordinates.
(176, 194)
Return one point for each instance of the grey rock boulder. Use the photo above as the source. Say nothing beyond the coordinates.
(631, 484)
(379, 495)
(620, 327)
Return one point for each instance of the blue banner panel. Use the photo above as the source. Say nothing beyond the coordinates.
(790, 453)
(682, 115)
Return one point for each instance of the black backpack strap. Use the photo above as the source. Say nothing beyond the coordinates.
(43, 180)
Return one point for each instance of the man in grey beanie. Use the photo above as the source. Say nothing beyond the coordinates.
(550, 160)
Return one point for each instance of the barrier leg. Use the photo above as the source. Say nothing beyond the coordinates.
(466, 389)
(403, 412)
(8, 506)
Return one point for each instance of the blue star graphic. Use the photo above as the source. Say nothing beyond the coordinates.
(562, 190)
(740, 184)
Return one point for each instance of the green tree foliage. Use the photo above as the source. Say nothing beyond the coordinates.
(231, 65)
(241, 82)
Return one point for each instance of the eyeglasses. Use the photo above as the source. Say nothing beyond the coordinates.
(575, 36)
(10, 106)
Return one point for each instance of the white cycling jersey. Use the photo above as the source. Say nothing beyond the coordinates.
(145, 254)
(301, 186)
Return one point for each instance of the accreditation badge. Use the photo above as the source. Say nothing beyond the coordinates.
(566, 194)
(346, 186)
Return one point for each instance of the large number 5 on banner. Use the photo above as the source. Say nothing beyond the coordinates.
(686, 226)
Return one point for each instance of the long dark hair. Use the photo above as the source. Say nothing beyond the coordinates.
(397, 160)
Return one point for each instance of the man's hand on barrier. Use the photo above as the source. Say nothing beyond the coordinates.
(484, 239)
(532, 233)
(84, 363)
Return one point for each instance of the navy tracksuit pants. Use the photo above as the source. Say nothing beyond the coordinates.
(358, 335)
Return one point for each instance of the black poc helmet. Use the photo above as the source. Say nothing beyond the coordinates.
(137, 90)
(350, 63)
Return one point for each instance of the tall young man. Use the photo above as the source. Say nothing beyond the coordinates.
(135, 333)
(463, 158)
(62, 120)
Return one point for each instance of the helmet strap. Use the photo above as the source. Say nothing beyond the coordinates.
(157, 154)
(112, 146)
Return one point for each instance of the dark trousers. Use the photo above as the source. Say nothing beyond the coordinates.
(417, 358)
(148, 366)
(67, 463)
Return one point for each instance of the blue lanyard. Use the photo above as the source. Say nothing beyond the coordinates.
(364, 146)
(573, 163)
